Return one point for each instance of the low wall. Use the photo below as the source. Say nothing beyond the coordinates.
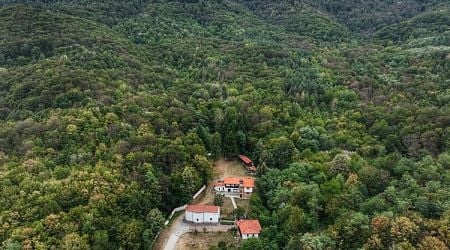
(177, 209)
(199, 192)
(181, 208)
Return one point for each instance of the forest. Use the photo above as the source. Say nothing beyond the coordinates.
(113, 112)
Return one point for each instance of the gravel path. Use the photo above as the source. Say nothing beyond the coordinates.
(233, 201)
(178, 228)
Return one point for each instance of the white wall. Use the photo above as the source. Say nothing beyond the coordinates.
(211, 217)
(173, 212)
(197, 217)
(246, 236)
(225, 189)
(198, 192)
(188, 216)
(183, 207)
(202, 217)
(248, 189)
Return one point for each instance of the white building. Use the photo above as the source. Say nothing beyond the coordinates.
(241, 187)
(202, 214)
(248, 228)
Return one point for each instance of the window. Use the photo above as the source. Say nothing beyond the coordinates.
(197, 219)
(210, 218)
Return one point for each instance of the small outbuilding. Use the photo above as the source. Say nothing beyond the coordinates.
(248, 163)
(202, 214)
(248, 228)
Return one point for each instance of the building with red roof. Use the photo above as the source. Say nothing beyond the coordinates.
(202, 214)
(248, 163)
(245, 159)
(241, 187)
(248, 228)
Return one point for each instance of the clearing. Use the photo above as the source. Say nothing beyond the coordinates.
(177, 231)
(221, 170)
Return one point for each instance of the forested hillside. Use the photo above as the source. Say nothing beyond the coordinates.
(112, 113)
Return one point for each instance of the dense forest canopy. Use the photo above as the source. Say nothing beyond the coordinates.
(112, 112)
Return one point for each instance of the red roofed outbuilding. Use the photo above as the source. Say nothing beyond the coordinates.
(248, 228)
(248, 163)
(246, 160)
(202, 214)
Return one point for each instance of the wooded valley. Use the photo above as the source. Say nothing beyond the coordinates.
(112, 113)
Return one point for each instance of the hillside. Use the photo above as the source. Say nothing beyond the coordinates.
(112, 113)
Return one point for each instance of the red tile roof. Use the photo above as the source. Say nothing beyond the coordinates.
(247, 182)
(249, 226)
(231, 180)
(202, 209)
(245, 159)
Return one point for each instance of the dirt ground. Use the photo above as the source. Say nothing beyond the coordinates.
(228, 168)
(227, 209)
(221, 170)
(205, 241)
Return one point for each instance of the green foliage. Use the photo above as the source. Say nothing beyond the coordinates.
(252, 244)
(238, 213)
(218, 200)
(351, 230)
(111, 113)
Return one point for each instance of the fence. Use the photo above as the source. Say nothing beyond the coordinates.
(199, 192)
(177, 209)
(181, 208)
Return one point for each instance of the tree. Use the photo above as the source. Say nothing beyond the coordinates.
(216, 145)
(374, 179)
(252, 244)
(351, 230)
(380, 238)
(154, 221)
(203, 167)
(282, 150)
(130, 234)
(100, 240)
(316, 242)
(297, 221)
(191, 179)
(261, 169)
(431, 243)
(218, 200)
(340, 165)
(238, 213)
(204, 135)
(230, 144)
(403, 230)
(73, 241)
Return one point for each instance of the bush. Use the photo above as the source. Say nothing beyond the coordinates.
(218, 200)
